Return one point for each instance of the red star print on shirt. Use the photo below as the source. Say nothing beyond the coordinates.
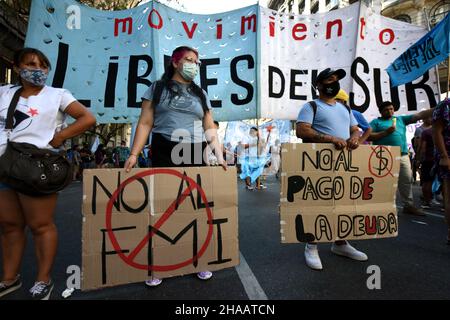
(33, 112)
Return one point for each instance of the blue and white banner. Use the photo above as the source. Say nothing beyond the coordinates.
(431, 49)
(256, 63)
(107, 59)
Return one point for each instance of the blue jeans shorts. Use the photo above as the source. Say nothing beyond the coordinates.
(4, 187)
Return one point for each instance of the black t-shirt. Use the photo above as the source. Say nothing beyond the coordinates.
(86, 155)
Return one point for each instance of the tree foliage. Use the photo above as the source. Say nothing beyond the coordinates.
(107, 131)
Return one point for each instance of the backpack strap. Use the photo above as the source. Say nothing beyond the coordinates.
(313, 105)
(157, 93)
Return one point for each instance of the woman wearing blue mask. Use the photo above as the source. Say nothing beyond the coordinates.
(177, 113)
(39, 119)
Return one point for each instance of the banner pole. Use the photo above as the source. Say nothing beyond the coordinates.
(436, 68)
(448, 77)
(258, 180)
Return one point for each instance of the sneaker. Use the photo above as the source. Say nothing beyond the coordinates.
(204, 275)
(312, 257)
(409, 209)
(41, 290)
(425, 205)
(346, 250)
(436, 203)
(9, 288)
(261, 186)
(249, 187)
(153, 282)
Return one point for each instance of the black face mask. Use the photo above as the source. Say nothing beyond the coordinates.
(330, 89)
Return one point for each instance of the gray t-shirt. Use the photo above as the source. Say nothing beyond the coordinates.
(180, 115)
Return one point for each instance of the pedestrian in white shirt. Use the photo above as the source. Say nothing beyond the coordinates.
(38, 120)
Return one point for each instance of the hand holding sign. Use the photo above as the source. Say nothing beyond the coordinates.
(130, 163)
(353, 143)
(339, 143)
(392, 128)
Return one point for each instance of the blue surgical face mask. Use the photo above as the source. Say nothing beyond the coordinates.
(36, 77)
(189, 71)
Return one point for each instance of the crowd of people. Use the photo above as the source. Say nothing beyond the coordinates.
(103, 157)
(177, 112)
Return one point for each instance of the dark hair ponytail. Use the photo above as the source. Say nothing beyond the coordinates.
(166, 82)
(20, 55)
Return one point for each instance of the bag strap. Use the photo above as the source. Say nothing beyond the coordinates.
(157, 93)
(12, 108)
(313, 105)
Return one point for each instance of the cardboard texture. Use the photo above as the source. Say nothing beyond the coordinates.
(159, 222)
(329, 194)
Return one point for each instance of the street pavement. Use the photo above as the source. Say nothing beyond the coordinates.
(415, 265)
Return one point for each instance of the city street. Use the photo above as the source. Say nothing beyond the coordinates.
(413, 266)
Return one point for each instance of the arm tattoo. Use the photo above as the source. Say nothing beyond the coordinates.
(319, 136)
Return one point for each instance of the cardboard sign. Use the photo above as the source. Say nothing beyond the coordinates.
(329, 194)
(162, 222)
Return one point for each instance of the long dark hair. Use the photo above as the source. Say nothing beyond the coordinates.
(167, 83)
(20, 55)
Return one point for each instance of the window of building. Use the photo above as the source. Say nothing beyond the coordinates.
(403, 17)
(439, 11)
(6, 74)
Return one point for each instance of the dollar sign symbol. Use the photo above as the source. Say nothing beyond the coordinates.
(383, 162)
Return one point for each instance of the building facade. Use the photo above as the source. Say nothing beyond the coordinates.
(425, 13)
(12, 38)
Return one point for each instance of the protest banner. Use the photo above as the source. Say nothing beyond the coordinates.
(162, 222)
(256, 63)
(431, 49)
(329, 195)
(110, 58)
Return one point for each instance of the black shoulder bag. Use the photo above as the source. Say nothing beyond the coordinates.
(30, 170)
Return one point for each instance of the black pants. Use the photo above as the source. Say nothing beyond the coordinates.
(162, 152)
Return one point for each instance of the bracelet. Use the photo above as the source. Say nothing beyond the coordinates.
(133, 155)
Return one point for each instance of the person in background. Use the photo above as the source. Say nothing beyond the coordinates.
(390, 130)
(100, 157)
(86, 158)
(275, 159)
(240, 156)
(415, 143)
(142, 160)
(212, 159)
(76, 161)
(343, 97)
(230, 155)
(252, 165)
(441, 138)
(425, 156)
(121, 154)
(147, 155)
